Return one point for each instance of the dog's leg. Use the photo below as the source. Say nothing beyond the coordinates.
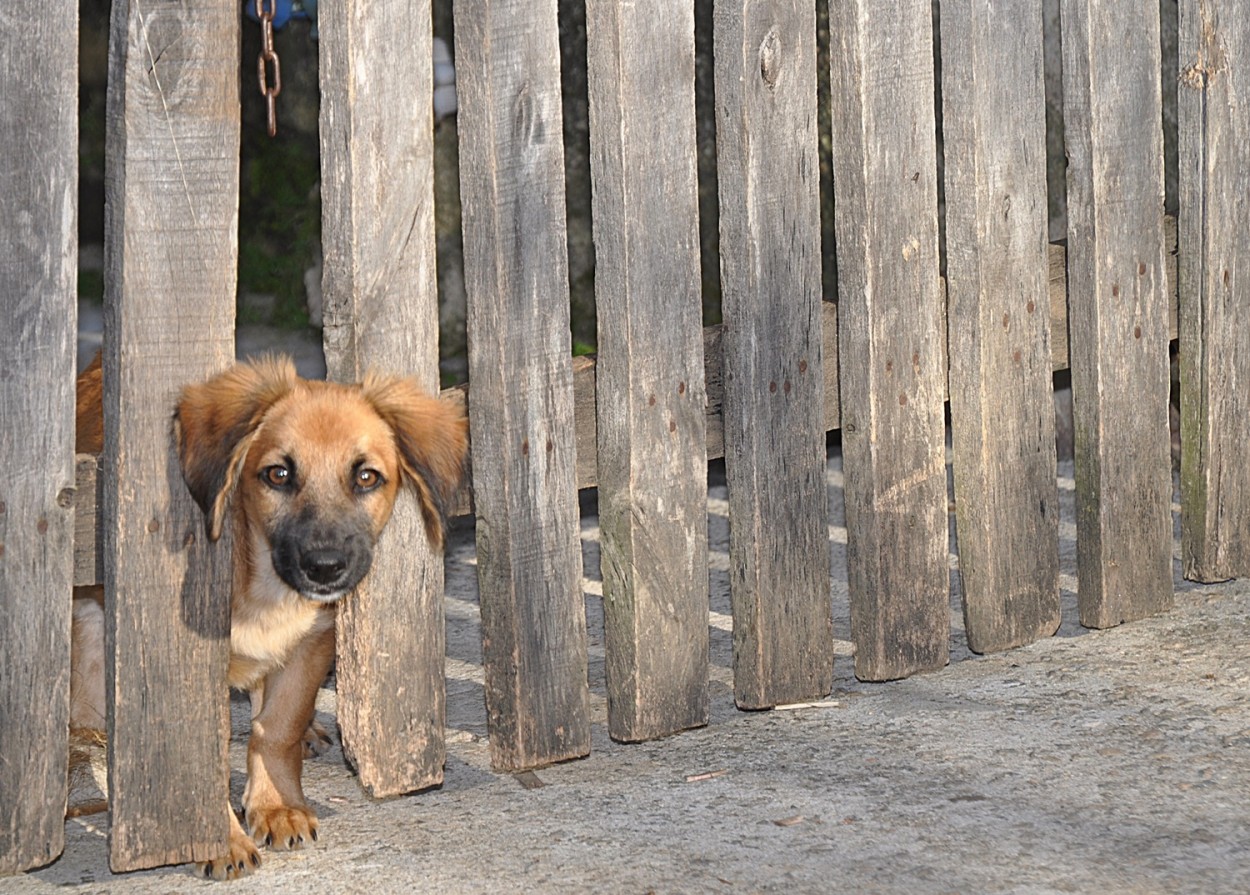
(273, 801)
(316, 738)
(86, 677)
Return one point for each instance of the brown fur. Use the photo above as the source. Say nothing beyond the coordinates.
(89, 436)
(306, 473)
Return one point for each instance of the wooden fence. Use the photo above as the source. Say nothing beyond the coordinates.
(663, 395)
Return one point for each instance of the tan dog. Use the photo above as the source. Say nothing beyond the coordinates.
(306, 473)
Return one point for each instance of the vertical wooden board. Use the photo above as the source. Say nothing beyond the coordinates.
(774, 384)
(381, 311)
(1118, 309)
(651, 395)
(1058, 279)
(38, 265)
(521, 375)
(1214, 288)
(1002, 405)
(170, 257)
(890, 336)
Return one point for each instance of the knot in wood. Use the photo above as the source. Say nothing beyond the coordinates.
(527, 120)
(770, 58)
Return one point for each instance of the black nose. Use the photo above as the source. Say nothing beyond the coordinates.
(323, 566)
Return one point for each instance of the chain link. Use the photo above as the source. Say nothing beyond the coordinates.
(267, 61)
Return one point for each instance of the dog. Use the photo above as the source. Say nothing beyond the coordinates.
(306, 474)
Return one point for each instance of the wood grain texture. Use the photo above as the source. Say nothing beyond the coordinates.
(88, 565)
(171, 185)
(38, 266)
(521, 405)
(380, 307)
(1058, 280)
(891, 338)
(1119, 310)
(1215, 288)
(779, 558)
(651, 419)
(1002, 403)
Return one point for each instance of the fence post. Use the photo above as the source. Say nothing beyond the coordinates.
(890, 336)
(1118, 309)
(381, 310)
(1002, 403)
(170, 257)
(38, 265)
(521, 382)
(651, 395)
(1214, 241)
(774, 409)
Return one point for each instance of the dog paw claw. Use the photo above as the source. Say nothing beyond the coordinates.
(282, 828)
(240, 861)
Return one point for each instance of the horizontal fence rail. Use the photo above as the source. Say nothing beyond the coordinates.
(87, 558)
(640, 420)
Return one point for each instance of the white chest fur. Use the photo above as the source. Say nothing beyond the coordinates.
(268, 622)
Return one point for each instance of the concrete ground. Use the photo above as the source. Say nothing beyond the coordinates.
(1112, 762)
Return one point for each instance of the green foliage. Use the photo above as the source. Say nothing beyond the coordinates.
(91, 285)
(279, 224)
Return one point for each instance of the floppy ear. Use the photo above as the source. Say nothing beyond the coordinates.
(215, 423)
(433, 440)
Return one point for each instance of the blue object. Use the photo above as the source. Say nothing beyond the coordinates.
(284, 11)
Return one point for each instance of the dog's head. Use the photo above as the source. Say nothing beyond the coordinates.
(315, 467)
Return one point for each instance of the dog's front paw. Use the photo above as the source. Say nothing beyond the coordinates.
(241, 860)
(283, 827)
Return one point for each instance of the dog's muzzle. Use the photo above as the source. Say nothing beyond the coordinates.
(324, 566)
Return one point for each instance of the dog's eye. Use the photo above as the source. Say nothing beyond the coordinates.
(366, 479)
(276, 476)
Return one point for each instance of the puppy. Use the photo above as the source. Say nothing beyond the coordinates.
(306, 474)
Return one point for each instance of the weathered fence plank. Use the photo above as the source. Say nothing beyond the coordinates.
(38, 265)
(1215, 288)
(1058, 279)
(170, 256)
(1002, 406)
(651, 421)
(380, 310)
(891, 344)
(1118, 309)
(521, 402)
(769, 179)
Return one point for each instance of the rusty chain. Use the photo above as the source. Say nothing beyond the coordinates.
(268, 57)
